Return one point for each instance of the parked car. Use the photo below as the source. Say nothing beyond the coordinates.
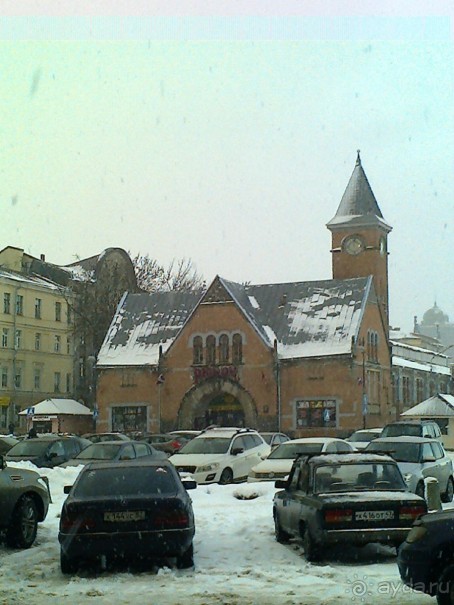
(25, 498)
(187, 434)
(165, 442)
(426, 558)
(97, 437)
(48, 450)
(360, 439)
(6, 443)
(279, 462)
(274, 439)
(221, 455)
(412, 428)
(419, 458)
(112, 451)
(127, 509)
(344, 498)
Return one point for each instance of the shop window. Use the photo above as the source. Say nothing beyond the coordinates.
(129, 418)
(211, 350)
(316, 413)
(237, 349)
(197, 350)
(224, 348)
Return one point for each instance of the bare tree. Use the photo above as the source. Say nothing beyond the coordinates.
(180, 275)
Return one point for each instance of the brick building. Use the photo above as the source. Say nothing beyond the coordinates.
(304, 357)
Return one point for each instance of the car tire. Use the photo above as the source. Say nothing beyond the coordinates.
(186, 560)
(226, 476)
(448, 495)
(22, 530)
(67, 564)
(445, 586)
(312, 550)
(420, 490)
(281, 536)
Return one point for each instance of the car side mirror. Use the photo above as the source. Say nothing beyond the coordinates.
(281, 484)
(189, 484)
(67, 489)
(237, 450)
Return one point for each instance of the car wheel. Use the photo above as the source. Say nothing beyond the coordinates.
(312, 550)
(67, 564)
(281, 535)
(186, 560)
(420, 490)
(22, 530)
(449, 493)
(226, 476)
(445, 586)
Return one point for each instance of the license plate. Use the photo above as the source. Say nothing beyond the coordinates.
(127, 515)
(374, 515)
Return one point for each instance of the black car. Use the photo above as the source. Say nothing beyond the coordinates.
(426, 558)
(47, 451)
(127, 509)
(24, 497)
(6, 443)
(344, 498)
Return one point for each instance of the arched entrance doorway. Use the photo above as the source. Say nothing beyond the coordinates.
(222, 402)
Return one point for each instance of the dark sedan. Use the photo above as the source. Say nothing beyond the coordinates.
(48, 451)
(6, 443)
(426, 558)
(344, 498)
(112, 451)
(127, 509)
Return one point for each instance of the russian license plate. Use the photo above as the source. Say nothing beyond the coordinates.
(126, 515)
(374, 515)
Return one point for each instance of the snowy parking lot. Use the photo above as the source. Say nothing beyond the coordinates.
(237, 561)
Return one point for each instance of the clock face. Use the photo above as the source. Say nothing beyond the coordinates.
(354, 245)
(382, 246)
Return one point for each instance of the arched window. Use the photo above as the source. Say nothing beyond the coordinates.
(197, 350)
(223, 348)
(372, 345)
(237, 349)
(211, 350)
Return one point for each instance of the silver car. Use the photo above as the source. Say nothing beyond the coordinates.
(419, 458)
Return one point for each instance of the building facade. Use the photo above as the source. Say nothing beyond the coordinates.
(304, 357)
(36, 347)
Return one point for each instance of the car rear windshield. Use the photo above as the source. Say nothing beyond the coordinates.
(29, 448)
(401, 452)
(364, 436)
(398, 430)
(99, 451)
(133, 481)
(206, 445)
(362, 476)
(292, 450)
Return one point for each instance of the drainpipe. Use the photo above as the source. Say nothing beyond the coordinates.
(12, 404)
(278, 386)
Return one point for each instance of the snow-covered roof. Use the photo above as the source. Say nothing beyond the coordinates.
(32, 280)
(421, 366)
(59, 406)
(440, 405)
(307, 319)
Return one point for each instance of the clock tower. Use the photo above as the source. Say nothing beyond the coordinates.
(359, 236)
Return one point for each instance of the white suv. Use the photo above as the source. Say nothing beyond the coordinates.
(221, 455)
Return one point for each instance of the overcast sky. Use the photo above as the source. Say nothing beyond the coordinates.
(230, 141)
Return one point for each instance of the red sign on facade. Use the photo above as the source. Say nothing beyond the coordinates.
(208, 372)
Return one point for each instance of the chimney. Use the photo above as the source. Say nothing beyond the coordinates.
(42, 257)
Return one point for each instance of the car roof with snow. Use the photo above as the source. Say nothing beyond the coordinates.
(404, 439)
(353, 458)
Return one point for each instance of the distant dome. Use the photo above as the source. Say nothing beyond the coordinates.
(434, 316)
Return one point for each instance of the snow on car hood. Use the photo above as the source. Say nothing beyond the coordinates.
(282, 465)
(196, 459)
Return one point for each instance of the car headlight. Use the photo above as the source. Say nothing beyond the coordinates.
(208, 467)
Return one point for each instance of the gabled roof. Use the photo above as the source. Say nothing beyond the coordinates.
(440, 405)
(358, 205)
(306, 319)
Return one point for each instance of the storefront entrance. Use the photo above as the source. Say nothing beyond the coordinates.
(223, 410)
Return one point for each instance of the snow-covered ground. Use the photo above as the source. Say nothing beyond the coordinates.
(237, 561)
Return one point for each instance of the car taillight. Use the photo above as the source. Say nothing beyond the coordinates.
(338, 515)
(176, 444)
(74, 523)
(171, 519)
(411, 512)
